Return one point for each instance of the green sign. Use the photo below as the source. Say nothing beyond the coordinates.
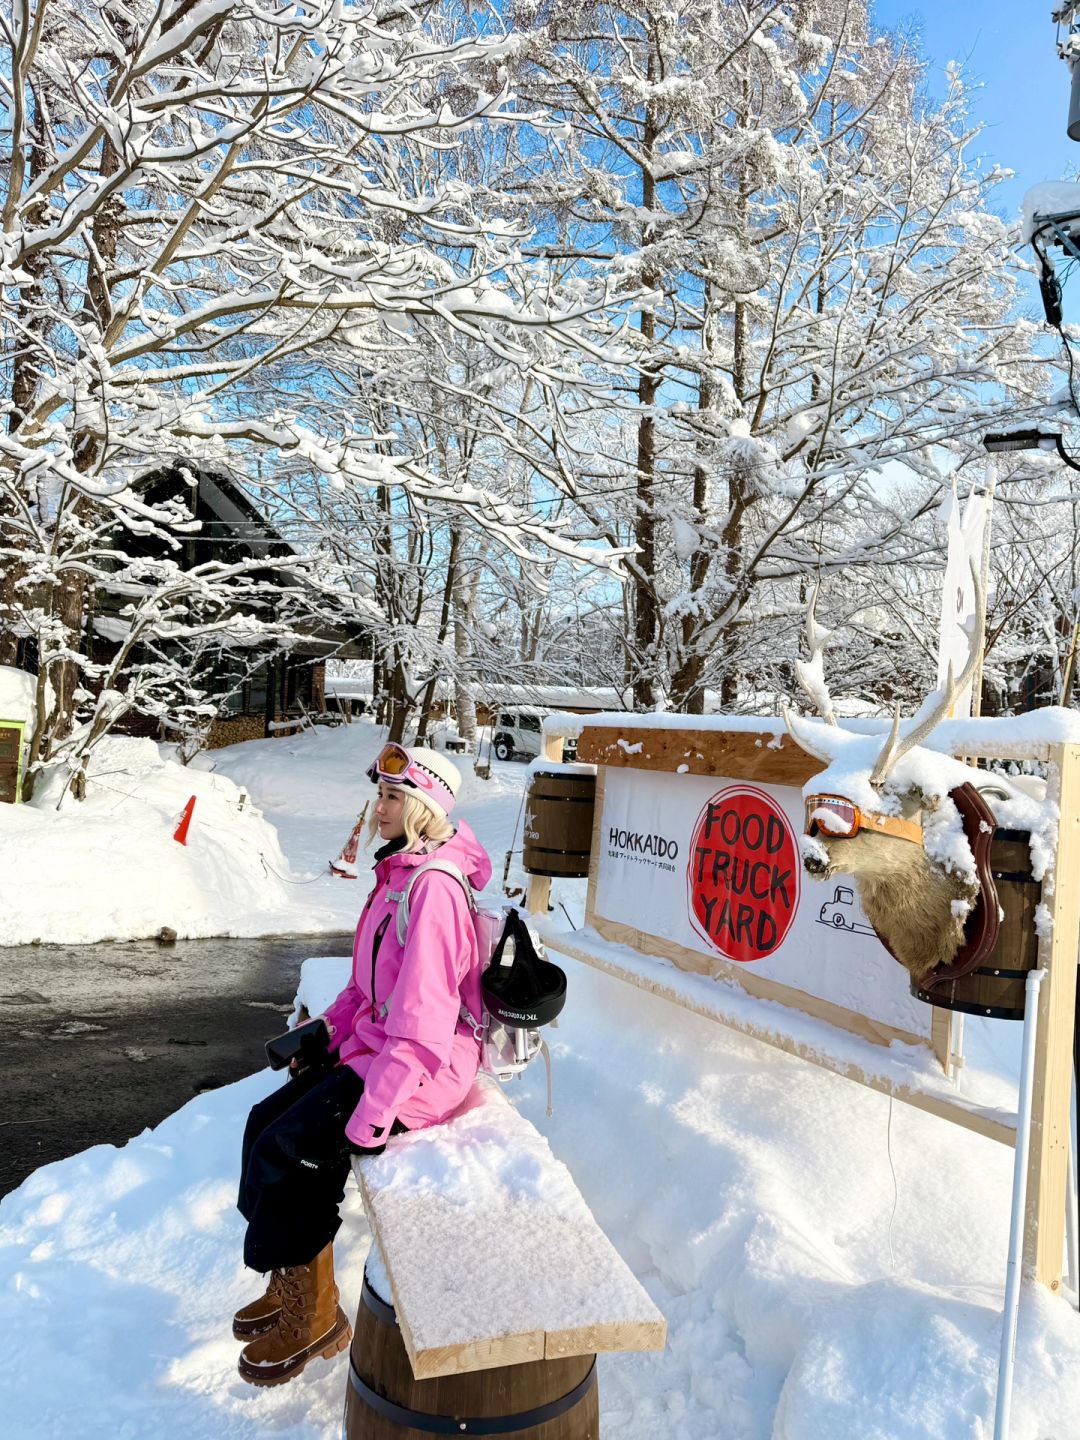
(12, 742)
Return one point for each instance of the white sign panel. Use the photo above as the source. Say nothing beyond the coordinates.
(713, 865)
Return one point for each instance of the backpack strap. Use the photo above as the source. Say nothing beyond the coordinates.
(402, 896)
(402, 927)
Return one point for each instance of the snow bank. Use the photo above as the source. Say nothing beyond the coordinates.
(108, 866)
(120, 1272)
(831, 1265)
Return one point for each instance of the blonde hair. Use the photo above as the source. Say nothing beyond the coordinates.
(421, 823)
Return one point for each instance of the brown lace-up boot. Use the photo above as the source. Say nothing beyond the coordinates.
(262, 1314)
(311, 1324)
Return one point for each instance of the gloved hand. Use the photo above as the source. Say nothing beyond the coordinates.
(377, 1131)
(397, 1128)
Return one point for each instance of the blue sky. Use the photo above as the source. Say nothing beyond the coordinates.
(1007, 46)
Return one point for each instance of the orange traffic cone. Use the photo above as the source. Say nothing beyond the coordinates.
(180, 833)
(345, 864)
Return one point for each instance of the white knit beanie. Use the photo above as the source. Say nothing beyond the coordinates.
(446, 780)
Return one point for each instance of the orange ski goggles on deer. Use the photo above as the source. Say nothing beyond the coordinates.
(838, 818)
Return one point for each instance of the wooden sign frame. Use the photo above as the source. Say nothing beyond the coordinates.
(770, 756)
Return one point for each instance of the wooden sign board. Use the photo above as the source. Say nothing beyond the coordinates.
(706, 870)
(679, 810)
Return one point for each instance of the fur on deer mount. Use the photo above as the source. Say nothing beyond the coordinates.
(887, 816)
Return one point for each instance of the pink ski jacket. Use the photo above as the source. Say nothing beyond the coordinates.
(398, 1022)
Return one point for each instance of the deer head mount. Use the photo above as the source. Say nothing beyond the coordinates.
(900, 839)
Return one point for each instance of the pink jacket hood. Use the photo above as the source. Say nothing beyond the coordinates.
(399, 1022)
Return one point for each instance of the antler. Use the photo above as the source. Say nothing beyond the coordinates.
(894, 748)
(811, 673)
(801, 733)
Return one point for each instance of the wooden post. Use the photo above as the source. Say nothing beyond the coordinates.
(1044, 1222)
(538, 896)
(594, 849)
(941, 1039)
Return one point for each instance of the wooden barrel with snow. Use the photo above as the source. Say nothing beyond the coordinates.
(559, 820)
(537, 1400)
(996, 988)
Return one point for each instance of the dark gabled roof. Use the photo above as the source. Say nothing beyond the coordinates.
(232, 508)
(224, 511)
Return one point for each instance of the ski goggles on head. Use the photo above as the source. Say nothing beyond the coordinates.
(395, 765)
(838, 818)
(391, 763)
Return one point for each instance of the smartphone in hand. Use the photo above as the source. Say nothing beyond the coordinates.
(307, 1044)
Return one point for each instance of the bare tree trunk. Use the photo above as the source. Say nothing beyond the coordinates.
(464, 605)
(646, 612)
(378, 699)
(400, 702)
(31, 328)
(734, 525)
(88, 450)
(386, 661)
(444, 625)
(687, 689)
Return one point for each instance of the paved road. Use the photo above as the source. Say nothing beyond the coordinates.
(99, 1041)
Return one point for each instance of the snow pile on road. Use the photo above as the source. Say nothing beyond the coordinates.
(814, 1287)
(108, 866)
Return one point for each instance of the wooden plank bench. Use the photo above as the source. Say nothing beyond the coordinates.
(492, 1260)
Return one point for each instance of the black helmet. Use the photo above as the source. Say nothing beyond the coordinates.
(528, 992)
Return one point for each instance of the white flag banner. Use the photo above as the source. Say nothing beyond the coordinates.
(966, 533)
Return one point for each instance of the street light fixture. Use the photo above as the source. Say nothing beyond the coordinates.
(1002, 442)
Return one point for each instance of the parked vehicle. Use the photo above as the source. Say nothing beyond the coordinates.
(517, 734)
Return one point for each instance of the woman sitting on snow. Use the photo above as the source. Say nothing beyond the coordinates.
(403, 1058)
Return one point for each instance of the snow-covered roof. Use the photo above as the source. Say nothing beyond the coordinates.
(552, 697)
(348, 688)
(529, 699)
(17, 694)
(111, 628)
(511, 707)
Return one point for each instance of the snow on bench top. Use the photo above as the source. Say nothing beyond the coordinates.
(491, 1252)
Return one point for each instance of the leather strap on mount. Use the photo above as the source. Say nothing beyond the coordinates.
(982, 925)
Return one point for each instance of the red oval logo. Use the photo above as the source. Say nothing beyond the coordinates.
(743, 874)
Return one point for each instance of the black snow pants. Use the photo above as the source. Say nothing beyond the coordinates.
(294, 1166)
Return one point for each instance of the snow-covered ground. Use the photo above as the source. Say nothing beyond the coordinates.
(831, 1265)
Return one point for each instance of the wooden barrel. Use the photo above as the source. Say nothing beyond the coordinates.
(996, 988)
(540, 1400)
(558, 823)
